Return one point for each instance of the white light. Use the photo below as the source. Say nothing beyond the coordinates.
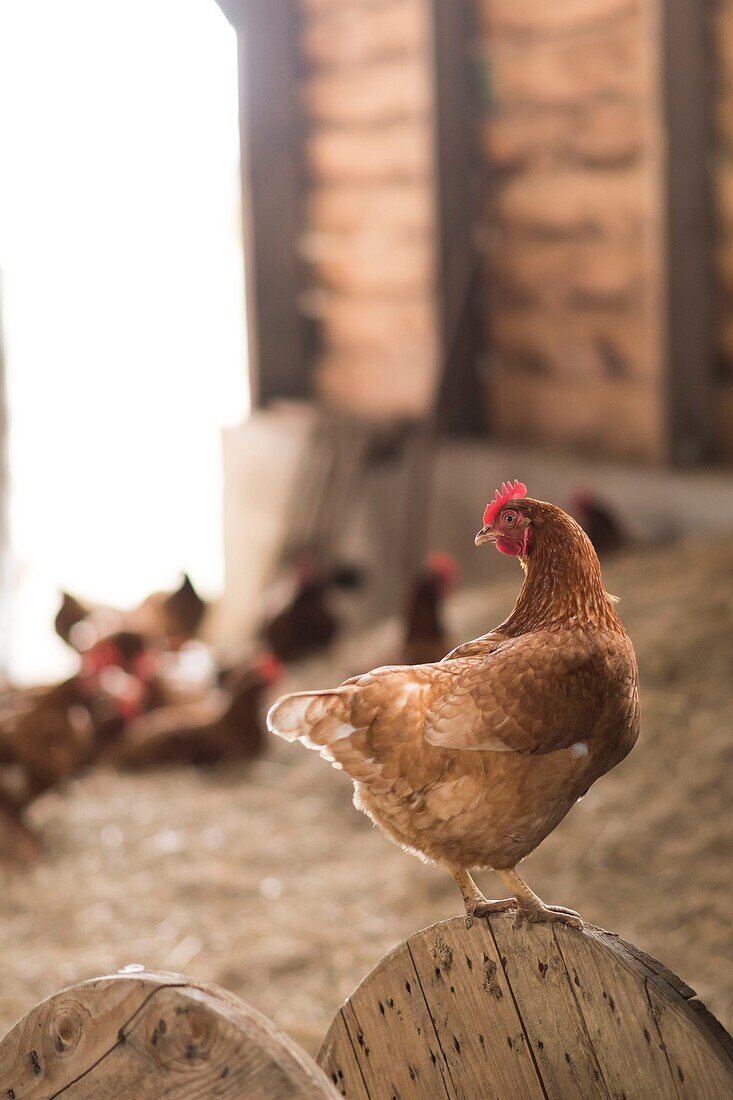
(122, 299)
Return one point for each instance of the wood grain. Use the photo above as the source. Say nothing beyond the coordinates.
(536, 17)
(569, 343)
(152, 1036)
(575, 202)
(398, 151)
(562, 72)
(593, 134)
(383, 92)
(346, 35)
(619, 417)
(404, 206)
(543, 1012)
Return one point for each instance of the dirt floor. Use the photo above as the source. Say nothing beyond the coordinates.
(269, 882)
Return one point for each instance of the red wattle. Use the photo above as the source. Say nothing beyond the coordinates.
(508, 546)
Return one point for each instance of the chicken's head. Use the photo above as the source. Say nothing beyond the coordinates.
(444, 569)
(507, 522)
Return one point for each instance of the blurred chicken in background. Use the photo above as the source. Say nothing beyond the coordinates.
(163, 618)
(300, 618)
(599, 521)
(426, 638)
(222, 726)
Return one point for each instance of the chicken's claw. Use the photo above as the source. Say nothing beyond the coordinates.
(550, 914)
(485, 908)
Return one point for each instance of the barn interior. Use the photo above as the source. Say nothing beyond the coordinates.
(386, 255)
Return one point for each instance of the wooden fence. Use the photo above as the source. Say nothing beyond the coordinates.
(537, 1013)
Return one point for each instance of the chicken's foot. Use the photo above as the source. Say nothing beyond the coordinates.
(476, 904)
(533, 909)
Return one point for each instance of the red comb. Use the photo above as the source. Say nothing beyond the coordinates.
(269, 668)
(442, 564)
(507, 492)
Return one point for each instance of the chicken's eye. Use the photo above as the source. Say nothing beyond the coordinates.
(510, 518)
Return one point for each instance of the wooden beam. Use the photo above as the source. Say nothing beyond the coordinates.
(688, 354)
(456, 128)
(271, 141)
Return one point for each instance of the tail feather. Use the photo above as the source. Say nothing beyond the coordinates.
(317, 718)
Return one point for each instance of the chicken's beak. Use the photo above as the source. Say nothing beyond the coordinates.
(485, 535)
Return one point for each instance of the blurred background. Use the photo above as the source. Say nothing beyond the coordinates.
(286, 290)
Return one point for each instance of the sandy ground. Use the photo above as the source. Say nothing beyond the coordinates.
(269, 883)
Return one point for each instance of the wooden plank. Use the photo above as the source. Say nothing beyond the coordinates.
(362, 323)
(476, 1020)
(347, 35)
(621, 418)
(537, 1012)
(502, 17)
(574, 344)
(594, 274)
(574, 202)
(271, 142)
(595, 134)
(562, 72)
(338, 1059)
(151, 1036)
(687, 294)
(563, 1050)
(699, 1070)
(610, 996)
(398, 151)
(384, 384)
(725, 420)
(371, 264)
(391, 1009)
(404, 206)
(722, 26)
(384, 92)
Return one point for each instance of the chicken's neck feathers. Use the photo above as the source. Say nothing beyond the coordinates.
(562, 584)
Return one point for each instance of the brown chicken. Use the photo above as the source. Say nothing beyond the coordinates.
(164, 618)
(472, 761)
(223, 726)
(301, 619)
(426, 638)
(599, 521)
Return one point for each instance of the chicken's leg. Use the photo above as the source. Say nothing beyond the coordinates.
(476, 904)
(531, 907)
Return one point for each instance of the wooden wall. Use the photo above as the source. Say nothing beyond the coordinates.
(591, 235)
(370, 212)
(572, 228)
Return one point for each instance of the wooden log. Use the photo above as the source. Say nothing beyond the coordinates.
(405, 206)
(561, 72)
(371, 264)
(578, 202)
(595, 417)
(388, 384)
(356, 35)
(572, 344)
(535, 17)
(593, 274)
(382, 92)
(542, 1013)
(600, 133)
(369, 323)
(152, 1036)
(398, 151)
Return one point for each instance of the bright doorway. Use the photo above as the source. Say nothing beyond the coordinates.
(122, 300)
